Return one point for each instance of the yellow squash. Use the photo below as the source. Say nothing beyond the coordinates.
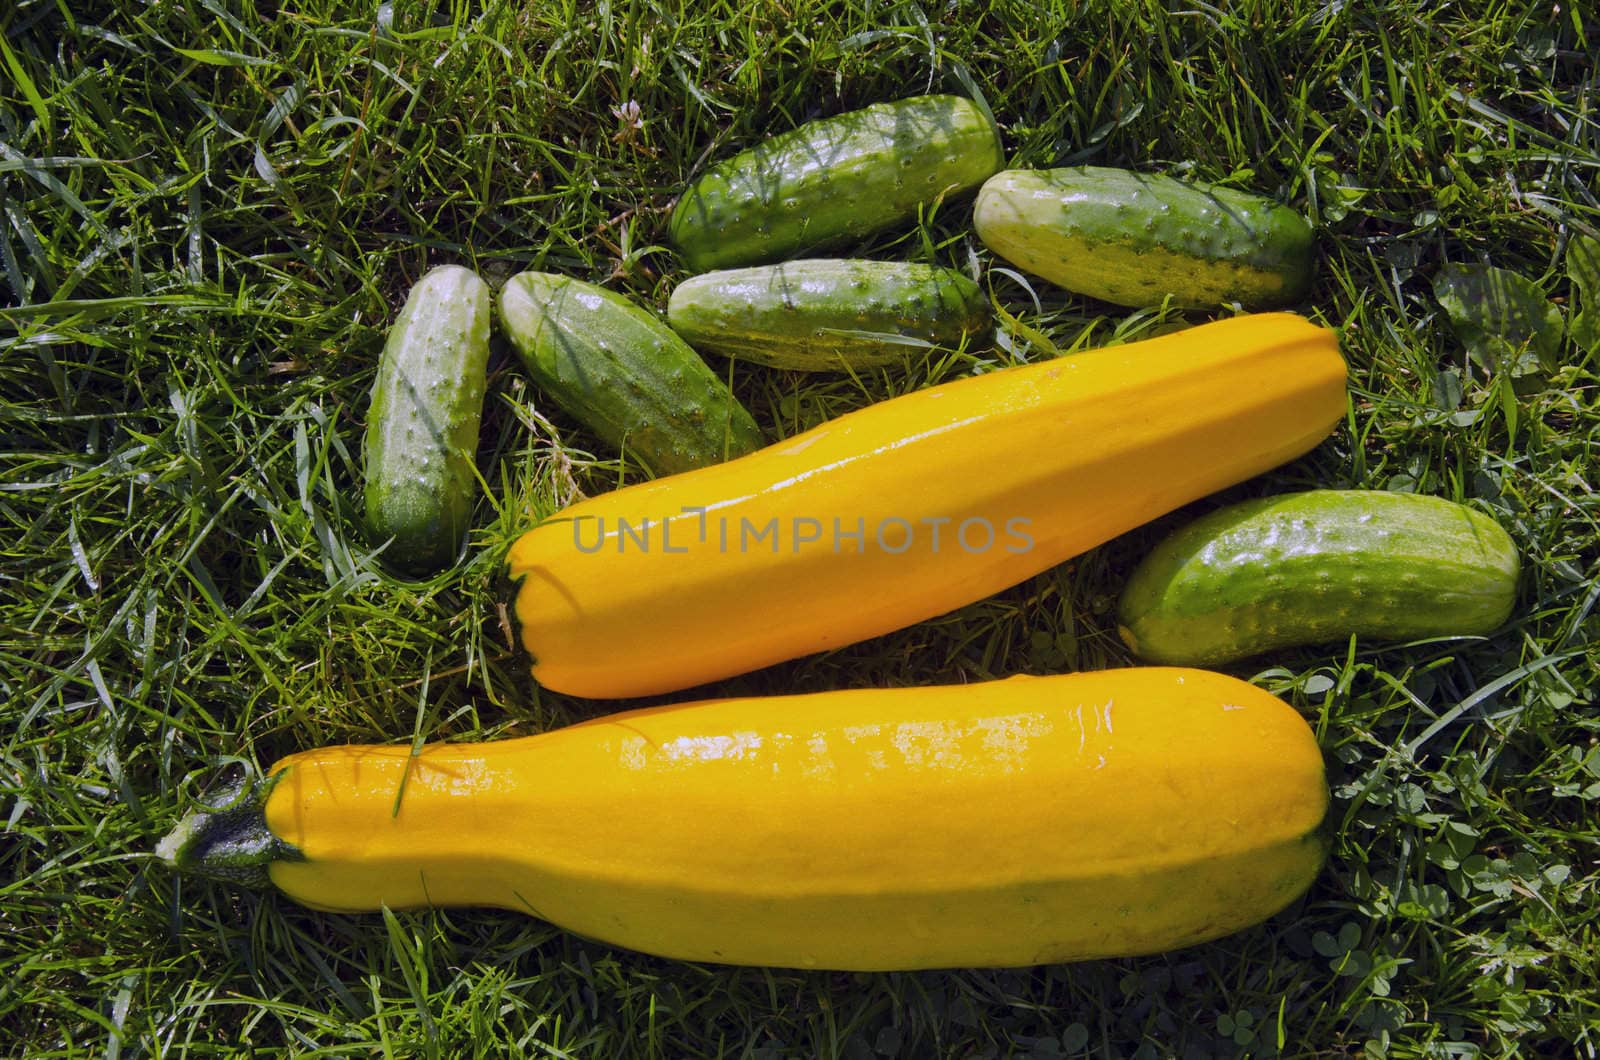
(1015, 822)
(911, 507)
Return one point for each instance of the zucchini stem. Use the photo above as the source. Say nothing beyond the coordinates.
(231, 842)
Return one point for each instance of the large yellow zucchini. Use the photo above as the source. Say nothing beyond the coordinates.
(911, 507)
(1015, 822)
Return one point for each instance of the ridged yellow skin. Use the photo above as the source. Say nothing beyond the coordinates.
(1080, 449)
(1015, 822)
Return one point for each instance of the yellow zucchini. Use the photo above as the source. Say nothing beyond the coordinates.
(1015, 822)
(911, 507)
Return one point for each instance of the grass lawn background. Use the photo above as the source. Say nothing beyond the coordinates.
(209, 213)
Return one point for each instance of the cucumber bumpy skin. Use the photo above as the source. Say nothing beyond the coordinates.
(826, 314)
(1133, 239)
(835, 178)
(623, 374)
(1314, 567)
(422, 424)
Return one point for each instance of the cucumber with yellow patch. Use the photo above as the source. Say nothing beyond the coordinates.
(1136, 239)
(1317, 567)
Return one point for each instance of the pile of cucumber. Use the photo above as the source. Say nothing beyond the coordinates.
(892, 836)
(1318, 567)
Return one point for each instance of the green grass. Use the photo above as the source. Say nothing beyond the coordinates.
(209, 212)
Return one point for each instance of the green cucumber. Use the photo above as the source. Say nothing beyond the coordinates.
(827, 314)
(1314, 567)
(1134, 239)
(422, 425)
(835, 178)
(623, 374)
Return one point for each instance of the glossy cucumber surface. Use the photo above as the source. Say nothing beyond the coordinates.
(1319, 566)
(1134, 239)
(834, 178)
(422, 424)
(828, 314)
(623, 374)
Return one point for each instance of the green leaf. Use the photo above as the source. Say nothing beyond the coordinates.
(30, 91)
(887, 337)
(1508, 406)
(1447, 390)
(1326, 945)
(215, 57)
(1583, 269)
(1317, 684)
(1033, 336)
(1409, 798)
(1503, 319)
(1424, 901)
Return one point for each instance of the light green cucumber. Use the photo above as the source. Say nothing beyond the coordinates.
(827, 314)
(1314, 567)
(422, 424)
(623, 374)
(835, 178)
(1134, 239)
